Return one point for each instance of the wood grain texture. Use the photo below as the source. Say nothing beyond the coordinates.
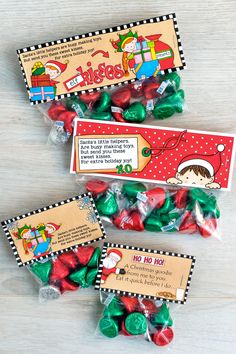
(34, 174)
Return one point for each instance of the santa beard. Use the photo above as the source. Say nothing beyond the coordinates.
(109, 263)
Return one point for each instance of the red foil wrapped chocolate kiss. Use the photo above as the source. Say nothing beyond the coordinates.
(67, 285)
(156, 197)
(96, 187)
(163, 336)
(59, 270)
(69, 259)
(121, 98)
(55, 110)
(84, 254)
(90, 98)
(131, 304)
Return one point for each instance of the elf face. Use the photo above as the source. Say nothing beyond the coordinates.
(130, 46)
(190, 177)
(49, 229)
(27, 234)
(52, 72)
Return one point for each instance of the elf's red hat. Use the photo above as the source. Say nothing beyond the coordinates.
(53, 226)
(211, 162)
(115, 252)
(61, 67)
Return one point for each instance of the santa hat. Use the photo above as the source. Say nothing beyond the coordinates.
(61, 67)
(211, 162)
(53, 226)
(116, 253)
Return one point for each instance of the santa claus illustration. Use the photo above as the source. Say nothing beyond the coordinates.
(109, 264)
(199, 169)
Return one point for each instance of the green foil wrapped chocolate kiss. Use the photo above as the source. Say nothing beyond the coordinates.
(42, 270)
(136, 323)
(75, 104)
(163, 109)
(211, 208)
(167, 106)
(153, 223)
(162, 317)
(198, 195)
(168, 205)
(101, 116)
(109, 327)
(136, 113)
(79, 277)
(107, 204)
(94, 260)
(114, 309)
(91, 276)
(131, 189)
(177, 99)
(103, 104)
(174, 81)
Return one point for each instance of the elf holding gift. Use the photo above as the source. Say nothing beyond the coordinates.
(126, 44)
(54, 69)
(43, 79)
(110, 263)
(199, 170)
(143, 56)
(37, 240)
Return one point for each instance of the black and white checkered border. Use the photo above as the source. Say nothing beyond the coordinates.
(37, 211)
(99, 32)
(116, 291)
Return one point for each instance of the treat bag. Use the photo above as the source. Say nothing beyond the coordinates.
(138, 206)
(155, 98)
(68, 271)
(138, 317)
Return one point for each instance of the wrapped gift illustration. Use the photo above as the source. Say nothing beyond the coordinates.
(42, 93)
(146, 63)
(144, 51)
(38, 69)
(37, 237)
(38, 242)
(40, 80)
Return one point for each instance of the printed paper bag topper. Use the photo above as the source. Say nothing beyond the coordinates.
(103, 58)
(153, 154)
(136, 271)
(54, 229)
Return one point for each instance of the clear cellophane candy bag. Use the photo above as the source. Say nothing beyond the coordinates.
(139, 206)
(69, 271)
(155, 98)
(136, 317)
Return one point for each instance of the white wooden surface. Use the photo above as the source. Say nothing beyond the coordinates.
(32, 174)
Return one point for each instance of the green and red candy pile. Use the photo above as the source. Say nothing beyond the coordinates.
(69, 271)
(159, 97)
(135, 316)
(137, 206)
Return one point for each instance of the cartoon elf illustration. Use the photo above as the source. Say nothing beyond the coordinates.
(144, 56)
(126, 44)
(199, 170)
(37, 240)
(110, 264)
(54, 69)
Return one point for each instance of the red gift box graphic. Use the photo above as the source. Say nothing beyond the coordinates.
(40, 81)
